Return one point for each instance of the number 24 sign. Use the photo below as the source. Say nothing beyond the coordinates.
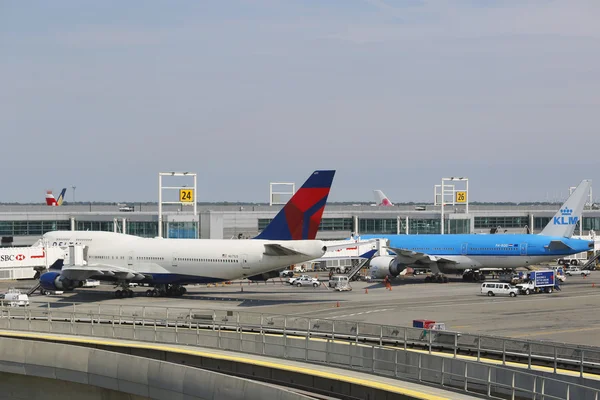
(186, 195)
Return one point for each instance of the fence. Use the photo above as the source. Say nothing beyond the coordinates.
(558, 356)
(359, 346)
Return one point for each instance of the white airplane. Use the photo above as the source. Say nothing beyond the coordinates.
(168, 264)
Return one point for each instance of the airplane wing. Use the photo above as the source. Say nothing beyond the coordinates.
(82, 272)
(417, 257)
(558, 245)
(278, 250)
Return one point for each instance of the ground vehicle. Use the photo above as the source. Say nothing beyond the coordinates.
(91, 283)
(576, 271)
(15, 298)
(286, 273)
(293, 279)
(495, 289)
(538, 282)
(300, 268)
(306, 280)
(336, 280)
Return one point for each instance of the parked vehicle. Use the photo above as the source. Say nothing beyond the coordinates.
(91, 283)
(15, 298)
(293, 279)
(286, 273)
(336, 280)
(577, 271)
(306, 280)
(499, 289)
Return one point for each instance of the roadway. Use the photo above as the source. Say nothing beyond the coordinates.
(567, 316)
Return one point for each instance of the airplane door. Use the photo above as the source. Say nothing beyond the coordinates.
(174, 260)
(464, 248)
(244, 262)
(130, 258)
(523, 249)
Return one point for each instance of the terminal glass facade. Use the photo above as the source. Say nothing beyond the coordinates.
(33, 228)
(502, 222)
(143, 228)
(375, 226)
(182, 230)
(591, 224)
(424, 226)
(457, 226)
(105, 226)
(540, 222)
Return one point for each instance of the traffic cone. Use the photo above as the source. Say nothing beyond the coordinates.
(337, 304)
(366, 291)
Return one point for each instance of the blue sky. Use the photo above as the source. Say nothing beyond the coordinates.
(394, 95)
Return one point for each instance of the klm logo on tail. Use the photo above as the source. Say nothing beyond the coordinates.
(566, 217)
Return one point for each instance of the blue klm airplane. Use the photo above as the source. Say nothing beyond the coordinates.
(455, 253)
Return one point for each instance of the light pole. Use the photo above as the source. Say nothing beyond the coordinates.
(74, 187)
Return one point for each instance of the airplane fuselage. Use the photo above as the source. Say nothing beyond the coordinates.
(181, 261)
(472, 251)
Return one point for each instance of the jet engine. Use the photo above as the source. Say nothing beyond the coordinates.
(385, 265)
(54, 281)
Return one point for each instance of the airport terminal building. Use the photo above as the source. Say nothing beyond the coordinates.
(23, 224)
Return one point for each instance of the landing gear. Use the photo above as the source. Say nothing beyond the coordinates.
(166, 291)
(473, 276)
(124, 292)
(119, 294)
(439, 278)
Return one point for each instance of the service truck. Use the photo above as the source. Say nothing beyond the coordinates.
(538, 282)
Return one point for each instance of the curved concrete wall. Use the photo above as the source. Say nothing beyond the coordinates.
(120, 376)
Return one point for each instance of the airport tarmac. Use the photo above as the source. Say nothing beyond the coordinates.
(567, 316)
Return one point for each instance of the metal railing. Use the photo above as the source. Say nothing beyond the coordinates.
(303, 340)
(558, 356)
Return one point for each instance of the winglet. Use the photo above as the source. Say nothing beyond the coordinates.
(564, 221)
(301, 216)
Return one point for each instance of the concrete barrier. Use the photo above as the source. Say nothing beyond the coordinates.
(46, 370)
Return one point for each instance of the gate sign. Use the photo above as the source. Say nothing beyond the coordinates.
(461, 197)
(186, 195)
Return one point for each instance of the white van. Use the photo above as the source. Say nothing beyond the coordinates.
(338, 280)
(493, 289)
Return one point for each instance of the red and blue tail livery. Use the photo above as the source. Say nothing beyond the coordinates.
(301, 216)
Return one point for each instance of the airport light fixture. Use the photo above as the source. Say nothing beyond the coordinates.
(458, 196)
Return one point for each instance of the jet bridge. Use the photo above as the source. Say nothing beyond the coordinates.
(24, 262)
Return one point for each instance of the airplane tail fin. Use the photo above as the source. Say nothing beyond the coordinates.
(50, 200)
(564, 221)
(61, 197)
(300, 218)
(381, 198)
